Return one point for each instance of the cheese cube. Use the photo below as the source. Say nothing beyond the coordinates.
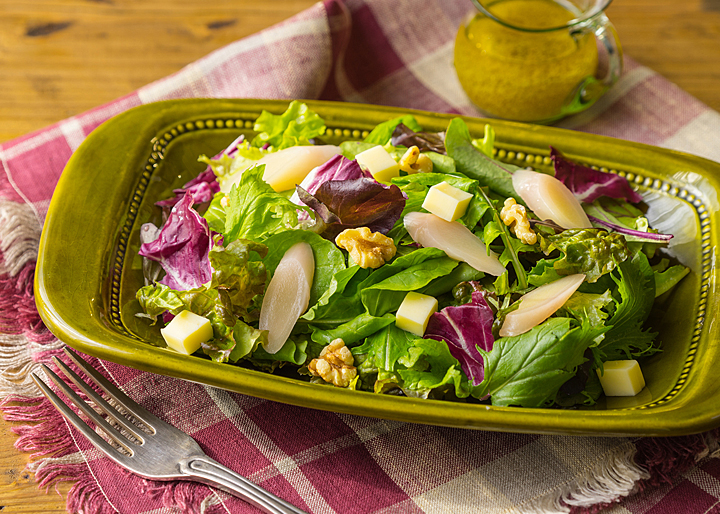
(621, 378)
(378, 163)
(186, 332)
(414, 313)
(446, 201)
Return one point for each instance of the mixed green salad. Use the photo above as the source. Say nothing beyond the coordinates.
(226, 232)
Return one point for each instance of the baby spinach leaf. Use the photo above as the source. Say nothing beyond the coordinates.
(475, 164)
(383, 132)
(354, 330)
(388, 294)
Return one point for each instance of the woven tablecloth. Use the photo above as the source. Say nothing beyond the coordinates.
(390, 52)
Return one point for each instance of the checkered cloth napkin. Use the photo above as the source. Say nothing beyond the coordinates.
(391, 52)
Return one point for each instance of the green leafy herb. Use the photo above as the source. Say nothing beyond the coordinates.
(528, 369)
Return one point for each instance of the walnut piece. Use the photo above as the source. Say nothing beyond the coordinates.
(335, 364)
(415, 162)
(368, 249)
(515, 216)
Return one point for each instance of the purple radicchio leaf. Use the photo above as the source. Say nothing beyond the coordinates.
(202, 188)
(465, 328)
(588, 184)
(337, 168)
(182, 247)
(361, 202)
(425, 141)
(653, 237)
(205, 185)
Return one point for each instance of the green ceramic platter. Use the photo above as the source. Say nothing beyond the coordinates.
(88, 269)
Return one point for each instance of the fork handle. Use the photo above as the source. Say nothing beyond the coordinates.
(210, 472)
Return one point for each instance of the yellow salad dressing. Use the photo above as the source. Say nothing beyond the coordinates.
(519, 75)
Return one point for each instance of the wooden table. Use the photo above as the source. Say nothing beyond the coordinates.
(60, 58)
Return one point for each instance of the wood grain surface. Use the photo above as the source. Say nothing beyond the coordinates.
(62, 57)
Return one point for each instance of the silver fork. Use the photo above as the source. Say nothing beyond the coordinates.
(154, 449)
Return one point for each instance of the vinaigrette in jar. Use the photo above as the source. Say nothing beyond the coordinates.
(519, 73)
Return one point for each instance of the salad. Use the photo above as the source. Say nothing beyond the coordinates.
(408, 263)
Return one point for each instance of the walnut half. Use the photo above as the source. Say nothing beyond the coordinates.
(368, 249)
(335, 364)
(515, 216)
(415, 162)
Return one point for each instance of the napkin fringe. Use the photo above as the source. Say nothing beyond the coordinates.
(19, 237)
(609, 479)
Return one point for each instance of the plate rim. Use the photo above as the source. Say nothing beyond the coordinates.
(697, 417)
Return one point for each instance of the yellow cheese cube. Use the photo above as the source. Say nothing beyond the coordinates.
(414, 313)
(186, 332)
(446, 201)
(621, 378)
(378, 163)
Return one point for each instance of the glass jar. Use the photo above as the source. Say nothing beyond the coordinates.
(537, 60)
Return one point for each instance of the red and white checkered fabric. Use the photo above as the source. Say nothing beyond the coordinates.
(390, 52)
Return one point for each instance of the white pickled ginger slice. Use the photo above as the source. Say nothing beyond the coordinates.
(287, 295)
(539, 304)
(550, 199)
(454, 239)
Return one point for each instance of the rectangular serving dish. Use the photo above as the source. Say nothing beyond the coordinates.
(88, 269)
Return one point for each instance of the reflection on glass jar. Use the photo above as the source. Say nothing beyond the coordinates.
(535, 60)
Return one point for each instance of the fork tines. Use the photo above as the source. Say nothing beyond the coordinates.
(122, 426)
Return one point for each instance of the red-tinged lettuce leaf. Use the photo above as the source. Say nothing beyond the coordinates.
(202, 188)
(465, 328)
(182, 247)
(425, 141)
(363, 202)
(588, 184)
(337, 168)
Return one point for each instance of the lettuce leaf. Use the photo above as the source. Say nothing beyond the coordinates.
(465, 328)
(296, 126)
(238, 273)
(232, 338)
(182, 247)
(593, 252)
(255, 211)
(588, 184)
